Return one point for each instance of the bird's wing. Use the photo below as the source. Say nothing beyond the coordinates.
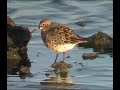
(55, 35)
(64, 34)
(69, 35)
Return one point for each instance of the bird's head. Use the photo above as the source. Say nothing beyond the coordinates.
(44, 25)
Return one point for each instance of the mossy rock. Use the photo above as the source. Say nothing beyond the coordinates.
(62, 68)
(17, 40)
(98, 42)
(61, 65)
(13, 59)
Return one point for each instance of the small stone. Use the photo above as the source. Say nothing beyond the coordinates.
(89, 56)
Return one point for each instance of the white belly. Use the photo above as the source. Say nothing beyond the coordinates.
(64, 48)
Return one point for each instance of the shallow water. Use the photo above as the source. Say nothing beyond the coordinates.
(96, 74)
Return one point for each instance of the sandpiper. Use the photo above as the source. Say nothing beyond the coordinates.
(58, 37)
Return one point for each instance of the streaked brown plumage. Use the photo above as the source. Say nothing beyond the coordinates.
(58, 37)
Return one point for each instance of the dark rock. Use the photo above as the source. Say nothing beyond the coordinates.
(13, 59)
(20, 35)
(14, 71)
(100, 42)
(89, 56)
(17, 40)
(10, 42)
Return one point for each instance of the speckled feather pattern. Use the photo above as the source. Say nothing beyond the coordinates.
(58, 35)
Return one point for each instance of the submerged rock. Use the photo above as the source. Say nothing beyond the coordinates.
(61, 63)
(100, 42)
(17, 40)
(61, 77)
(25, 72)
(61, 69)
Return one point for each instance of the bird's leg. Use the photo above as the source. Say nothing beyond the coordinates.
(63, 56)
(56, 58)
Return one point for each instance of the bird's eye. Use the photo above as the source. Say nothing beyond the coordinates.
(43, 24)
